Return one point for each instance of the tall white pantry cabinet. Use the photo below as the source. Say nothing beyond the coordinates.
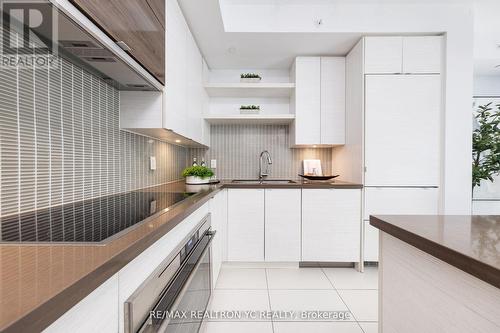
(399, 142)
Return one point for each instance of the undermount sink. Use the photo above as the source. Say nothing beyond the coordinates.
(264, 181)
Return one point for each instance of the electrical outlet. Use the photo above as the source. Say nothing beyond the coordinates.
(213, 164)
(152, 163)
(152, 207)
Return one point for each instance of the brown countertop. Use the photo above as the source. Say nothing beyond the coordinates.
(41, 281)
(298, 183)
(470, 243)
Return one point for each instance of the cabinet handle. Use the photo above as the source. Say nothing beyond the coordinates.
(123, 46)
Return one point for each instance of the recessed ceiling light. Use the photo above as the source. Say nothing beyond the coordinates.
(177, 140)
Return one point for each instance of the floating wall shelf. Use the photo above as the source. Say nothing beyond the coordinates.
(272, 119)
(249, 89)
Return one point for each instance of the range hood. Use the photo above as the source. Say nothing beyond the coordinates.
(81, 42)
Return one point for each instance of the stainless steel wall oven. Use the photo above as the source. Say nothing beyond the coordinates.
(175, 296)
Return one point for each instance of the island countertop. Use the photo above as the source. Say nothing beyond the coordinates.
(470, 243)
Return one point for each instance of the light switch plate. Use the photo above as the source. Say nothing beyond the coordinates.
(152, 163)
(213, 164)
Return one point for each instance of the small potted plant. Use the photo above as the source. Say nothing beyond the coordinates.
(197, 175)
(249, 109)
(250, 78)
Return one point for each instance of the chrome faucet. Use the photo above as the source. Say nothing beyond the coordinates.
(265, 172)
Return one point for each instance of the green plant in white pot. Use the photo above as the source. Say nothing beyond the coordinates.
(197, 174)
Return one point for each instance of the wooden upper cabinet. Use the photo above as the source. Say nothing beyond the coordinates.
(140, 24)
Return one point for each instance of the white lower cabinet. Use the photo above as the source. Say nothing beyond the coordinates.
(245, 229)
(282, 224)
(401, 201)
(331, 225)
(98, 312)
(218, 209)
(371, 242)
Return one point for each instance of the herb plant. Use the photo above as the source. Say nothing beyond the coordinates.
(250, 107)
(486, 144)
(197, 171)
(250, 76)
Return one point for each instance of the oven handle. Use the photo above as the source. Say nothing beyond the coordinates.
(185, 287)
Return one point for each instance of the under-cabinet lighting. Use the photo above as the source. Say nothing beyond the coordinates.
(178, 141)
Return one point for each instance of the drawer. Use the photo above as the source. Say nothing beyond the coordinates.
(400, 201)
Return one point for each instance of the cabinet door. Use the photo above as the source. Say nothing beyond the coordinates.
(218, 209)
(88, 315)
(371, 242)
(140, 24)
(176, 88)
(331, 225)
(401, 201)
(422, 54)
(332, 100)
(383, 55)
(282, 224)
(194, 97)
(307, 101)
(402, 116)
(245, 231)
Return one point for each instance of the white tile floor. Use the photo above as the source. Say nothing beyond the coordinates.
(281, 288)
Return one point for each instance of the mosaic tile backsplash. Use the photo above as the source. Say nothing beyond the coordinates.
(237, 148)
(60, 141)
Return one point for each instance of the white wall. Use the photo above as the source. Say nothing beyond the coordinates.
(487, 85)
(454, 19)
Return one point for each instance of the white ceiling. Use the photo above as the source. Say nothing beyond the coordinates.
(237, 50)
(255, 50)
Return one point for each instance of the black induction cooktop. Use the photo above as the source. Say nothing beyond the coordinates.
(92, 220)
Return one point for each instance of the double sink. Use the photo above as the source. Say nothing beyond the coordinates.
(263, 181)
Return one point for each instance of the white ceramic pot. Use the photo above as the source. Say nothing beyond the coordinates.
(194, 180)
(250, 79)
(197, 188)
(249, 111)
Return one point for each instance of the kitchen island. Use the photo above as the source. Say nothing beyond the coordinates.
(439, 273)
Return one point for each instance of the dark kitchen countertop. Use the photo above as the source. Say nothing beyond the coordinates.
(41, 281)
(470, 243)
(299, 183)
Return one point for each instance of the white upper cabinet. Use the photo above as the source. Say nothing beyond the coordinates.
(307, 101)
(183, 99)
(319, 101)
(383, 55)
(408, 55)
(422, 54)
(332, 100)
(194, 91)
(175, 103)
(402, 126)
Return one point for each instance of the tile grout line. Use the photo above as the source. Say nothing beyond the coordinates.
(340, 296)
(269, 298)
